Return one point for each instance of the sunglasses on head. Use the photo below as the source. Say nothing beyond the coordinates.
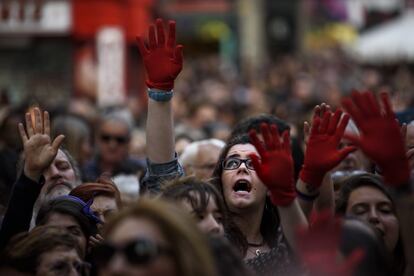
(233, 163)
(119, 139)
(138, 252)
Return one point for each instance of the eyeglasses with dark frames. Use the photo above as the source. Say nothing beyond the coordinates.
(233, 163)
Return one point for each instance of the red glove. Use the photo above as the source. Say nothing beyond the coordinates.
(318, 247)
(380, 139)
(163, 60)
(322, 153)
(275, 169)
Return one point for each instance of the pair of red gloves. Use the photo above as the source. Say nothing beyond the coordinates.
(380, 140)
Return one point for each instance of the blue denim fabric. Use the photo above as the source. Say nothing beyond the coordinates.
(157, 173)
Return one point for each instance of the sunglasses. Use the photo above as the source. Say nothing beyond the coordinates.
(137, 252)
(119, 139)
(233, 163)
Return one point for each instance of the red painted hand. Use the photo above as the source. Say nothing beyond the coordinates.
(276, 166)
(381, 138)
(163, 60)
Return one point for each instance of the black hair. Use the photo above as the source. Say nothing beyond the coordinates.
(72, 206)
(357, 234)
(254, 122)
(270, 219)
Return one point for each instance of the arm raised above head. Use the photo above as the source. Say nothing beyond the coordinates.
(163, 62)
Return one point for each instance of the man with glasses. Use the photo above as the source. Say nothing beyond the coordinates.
(112, 140)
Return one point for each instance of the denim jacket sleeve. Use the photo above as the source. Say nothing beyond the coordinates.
(158, 173)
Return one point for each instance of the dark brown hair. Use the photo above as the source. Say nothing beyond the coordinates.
(354, 182)
(24, 250)
(270, 219)
(198, 194)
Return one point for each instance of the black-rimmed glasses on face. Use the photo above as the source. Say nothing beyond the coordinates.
(233, 163)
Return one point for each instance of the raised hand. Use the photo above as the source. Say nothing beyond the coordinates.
(322, 152)
(275, 169)
(318, 111)
(318, 247)
(39, 150)
(381, 138)
(163, 59)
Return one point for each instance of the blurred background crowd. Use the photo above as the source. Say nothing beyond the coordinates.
(79, 60)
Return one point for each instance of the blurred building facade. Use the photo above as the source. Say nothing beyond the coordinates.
(87, 48)
(49, 49)
(53, 47)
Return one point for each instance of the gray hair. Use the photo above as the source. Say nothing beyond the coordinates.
(122, 116)
(190, 152)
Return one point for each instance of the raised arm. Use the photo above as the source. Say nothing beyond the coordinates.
(322, 155)
(275, 170)
(381, 140)
(163, 62)
(39, 152)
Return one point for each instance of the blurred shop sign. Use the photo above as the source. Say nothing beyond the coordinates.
(198, 6)
(111, 66)
(50, 17)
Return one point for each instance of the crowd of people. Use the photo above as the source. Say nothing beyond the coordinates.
(226, 185)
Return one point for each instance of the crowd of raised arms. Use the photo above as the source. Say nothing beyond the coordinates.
(249, 205)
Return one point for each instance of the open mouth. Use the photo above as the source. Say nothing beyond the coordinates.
(242, 186)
